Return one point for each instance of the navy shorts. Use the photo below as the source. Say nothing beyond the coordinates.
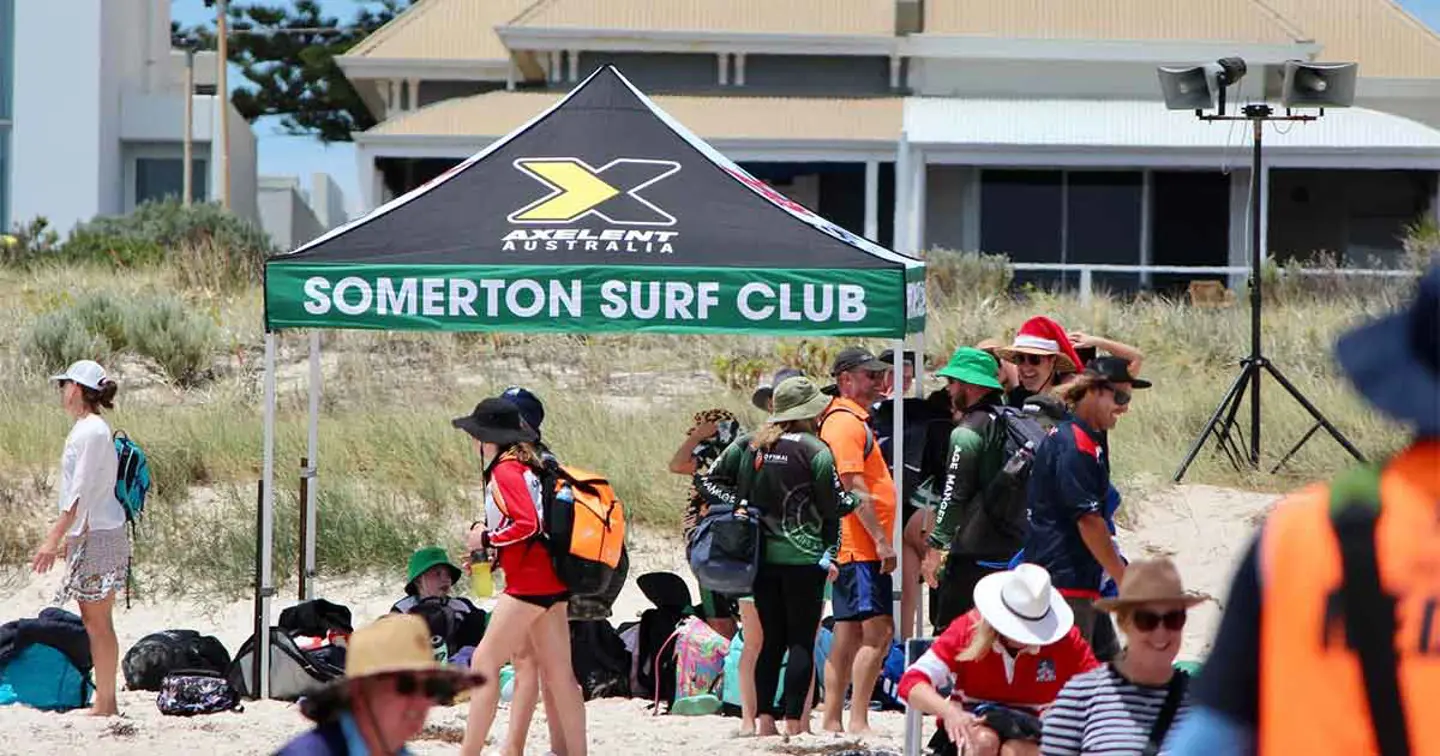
(861, 592)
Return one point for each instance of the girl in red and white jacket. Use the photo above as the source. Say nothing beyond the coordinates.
(533, 606)
(1005, 661)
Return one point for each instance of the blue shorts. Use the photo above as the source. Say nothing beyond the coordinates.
(861, 592)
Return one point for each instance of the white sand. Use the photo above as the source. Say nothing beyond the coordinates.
(1202, 527)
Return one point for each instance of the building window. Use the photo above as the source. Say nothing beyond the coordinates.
(4, 179)
(161, 178)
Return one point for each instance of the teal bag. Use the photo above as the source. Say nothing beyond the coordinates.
(42, 677)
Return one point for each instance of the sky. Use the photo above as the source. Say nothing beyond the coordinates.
(284, 155)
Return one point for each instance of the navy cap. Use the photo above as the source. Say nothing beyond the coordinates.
(532, 411)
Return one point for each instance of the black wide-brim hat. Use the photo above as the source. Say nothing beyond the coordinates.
(1394, 362)
(496, 421)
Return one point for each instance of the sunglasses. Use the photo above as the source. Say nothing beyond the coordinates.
(1030, 359)
(1122, 397)
(1146, 622)
(438, 689)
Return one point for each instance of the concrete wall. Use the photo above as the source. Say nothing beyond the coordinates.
(952, 207)
(327, 200)
(284, 214)
(997, 78)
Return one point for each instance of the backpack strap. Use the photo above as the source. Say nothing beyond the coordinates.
(1369, 613)
(1173, 696)
(869, 432)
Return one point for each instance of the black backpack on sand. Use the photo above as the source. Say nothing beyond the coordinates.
(159, 654)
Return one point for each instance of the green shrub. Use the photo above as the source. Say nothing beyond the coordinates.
(179, 341)
(87, 245)
(59, 338)
(29, 242)
(973, 275)
(211, 245)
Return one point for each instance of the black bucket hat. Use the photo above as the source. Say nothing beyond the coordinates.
(496, 421)
(1394, 361)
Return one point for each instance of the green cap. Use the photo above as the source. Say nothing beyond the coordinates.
(798, 399)
(421, 562)
(972, 366)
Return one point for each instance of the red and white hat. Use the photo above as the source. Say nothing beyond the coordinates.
(1041, 335)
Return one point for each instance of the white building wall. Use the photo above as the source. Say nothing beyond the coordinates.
(284, 213)
(244, 180)
(327, 200)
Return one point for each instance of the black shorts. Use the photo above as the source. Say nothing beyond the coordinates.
(718, 606)
(544, 600)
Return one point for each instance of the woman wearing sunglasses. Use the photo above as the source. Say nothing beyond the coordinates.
(1043, 356)
(391, 680)
(1129, 706)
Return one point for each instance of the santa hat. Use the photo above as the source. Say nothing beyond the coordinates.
(1041, 335)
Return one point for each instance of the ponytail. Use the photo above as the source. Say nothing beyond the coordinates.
(104, 397)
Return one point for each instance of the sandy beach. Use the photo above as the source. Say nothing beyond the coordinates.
(1203, 528)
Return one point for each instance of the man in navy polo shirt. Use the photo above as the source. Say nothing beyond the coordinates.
(1068, 487)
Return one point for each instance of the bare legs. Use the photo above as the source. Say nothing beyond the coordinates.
(876, 634)
(99, 619)
(522, 706)
(510, 627)
(552, 633)
(749, 654)
(913, 551)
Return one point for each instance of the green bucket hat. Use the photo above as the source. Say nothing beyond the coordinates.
(797, 398)
(421, 562)
(972, 366)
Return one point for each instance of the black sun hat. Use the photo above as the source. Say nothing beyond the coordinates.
(496, 421)
(1115, 370)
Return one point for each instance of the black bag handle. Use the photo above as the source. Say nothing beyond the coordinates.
(1370, 624)
(1174, 694)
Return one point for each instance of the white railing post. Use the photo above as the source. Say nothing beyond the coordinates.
(1086, 280)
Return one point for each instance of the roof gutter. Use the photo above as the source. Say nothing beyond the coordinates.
(951, 46)
(359, 68)
(617, 40)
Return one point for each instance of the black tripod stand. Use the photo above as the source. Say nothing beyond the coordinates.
(1222, 424)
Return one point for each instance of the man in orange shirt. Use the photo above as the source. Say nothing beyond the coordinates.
(863, 594)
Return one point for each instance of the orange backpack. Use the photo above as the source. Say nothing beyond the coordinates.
(584, 527)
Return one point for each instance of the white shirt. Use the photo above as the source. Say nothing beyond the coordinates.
(87, 476)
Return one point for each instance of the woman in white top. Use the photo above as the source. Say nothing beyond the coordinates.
(91, 523)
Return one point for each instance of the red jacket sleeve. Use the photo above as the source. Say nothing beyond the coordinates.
(512, 495)
(939, 665)
(1082, 658)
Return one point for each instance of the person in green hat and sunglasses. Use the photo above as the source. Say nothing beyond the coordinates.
(976, 455)
(456, 624)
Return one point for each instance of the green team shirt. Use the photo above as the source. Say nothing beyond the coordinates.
(976, 454)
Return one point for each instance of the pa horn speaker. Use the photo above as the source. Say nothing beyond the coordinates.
(1318, 85)
(1199, 87)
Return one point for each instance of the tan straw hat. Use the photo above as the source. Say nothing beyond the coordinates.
(1151, 581)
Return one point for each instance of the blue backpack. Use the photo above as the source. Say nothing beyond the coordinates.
(132, 480)
(43, 677)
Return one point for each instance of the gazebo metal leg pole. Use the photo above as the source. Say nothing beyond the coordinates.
(897, 454)
(266, 587)
(312, 467)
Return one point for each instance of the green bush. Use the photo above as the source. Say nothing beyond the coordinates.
(29, 242)
(973, 275)
(59, 338)
(209, 244)
(98, 326)
(181, 342)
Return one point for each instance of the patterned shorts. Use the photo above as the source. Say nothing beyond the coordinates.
(98, 561)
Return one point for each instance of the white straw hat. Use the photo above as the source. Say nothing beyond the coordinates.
(1022, 605)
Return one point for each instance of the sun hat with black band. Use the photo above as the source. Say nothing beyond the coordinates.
(763, 392)
(496, 421)
(1023, 606)
(798, 399)
(1394, 361)
(1151, 581)
(1115, 370)
(422, 561)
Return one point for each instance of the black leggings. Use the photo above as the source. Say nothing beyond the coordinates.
(789, 600)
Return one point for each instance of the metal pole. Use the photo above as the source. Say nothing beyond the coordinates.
(312, 468)
(300, 585)
(222, 100)
(899, 236)
(897, 457)
(258, 667)
(266, 585)
(189, 138)
(1255, 294)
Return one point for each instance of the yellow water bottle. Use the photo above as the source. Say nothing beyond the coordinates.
(482, 583)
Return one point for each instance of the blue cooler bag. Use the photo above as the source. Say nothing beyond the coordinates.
(724, 550)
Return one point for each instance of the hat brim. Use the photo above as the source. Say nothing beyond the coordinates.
(1382, 366)
(1042, 632)
(974, 379)
(455, 574)
(807, 411)
(493, 435)
(874, 365)
(761, 398)
(1186, 599)
(1063, 363)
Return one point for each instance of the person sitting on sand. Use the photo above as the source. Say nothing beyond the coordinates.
(91, 524)
(532, 610)
(391, 681)
(1116, 708)
(1004, 662)
(455, 623)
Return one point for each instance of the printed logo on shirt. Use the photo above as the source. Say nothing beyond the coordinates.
(1045, 670)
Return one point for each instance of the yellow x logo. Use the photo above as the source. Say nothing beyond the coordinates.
(610, 192)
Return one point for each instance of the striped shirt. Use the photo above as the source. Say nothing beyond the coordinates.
(1101, 712)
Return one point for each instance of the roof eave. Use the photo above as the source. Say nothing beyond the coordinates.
(472, 142)
(437, 69)
(618, 40)
(956, 46)
(1396, 87)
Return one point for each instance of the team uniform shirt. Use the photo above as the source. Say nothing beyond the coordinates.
(88, 467)
(1100, 712)
(513, 512)
(1029, 680)
(1070, 479)
(846, 434)
(727, 429)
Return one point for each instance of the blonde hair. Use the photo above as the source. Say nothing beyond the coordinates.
(523, 452)
(1074, 390)
(982, 639)
(770, 433)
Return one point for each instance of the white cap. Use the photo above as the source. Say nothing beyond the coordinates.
(87, 373)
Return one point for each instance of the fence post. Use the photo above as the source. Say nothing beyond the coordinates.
(1086, 279)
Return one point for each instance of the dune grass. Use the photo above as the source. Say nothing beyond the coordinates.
(394, 475)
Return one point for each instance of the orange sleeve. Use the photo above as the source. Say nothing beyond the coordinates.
(845, 435)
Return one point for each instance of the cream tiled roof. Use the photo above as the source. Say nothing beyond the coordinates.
(831, 17)
(443, 30)
(495, 114)
(1378, 34)
(1228, 20)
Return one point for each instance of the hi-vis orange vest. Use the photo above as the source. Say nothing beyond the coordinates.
(1312, 695)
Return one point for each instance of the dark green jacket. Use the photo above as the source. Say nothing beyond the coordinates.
(977, 449)
(794, 488)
